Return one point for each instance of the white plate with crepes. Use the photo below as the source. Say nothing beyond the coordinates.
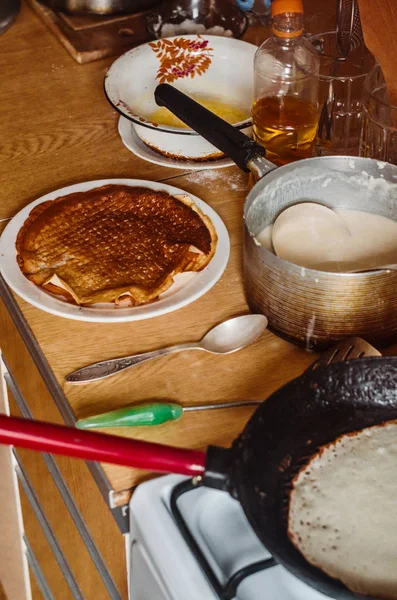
(187, 287)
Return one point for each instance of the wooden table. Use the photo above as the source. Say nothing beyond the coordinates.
(58, 129)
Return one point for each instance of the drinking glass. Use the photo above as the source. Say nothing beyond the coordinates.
(379, 125)
(340, 91)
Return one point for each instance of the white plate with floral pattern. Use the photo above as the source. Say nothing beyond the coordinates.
(201, 66)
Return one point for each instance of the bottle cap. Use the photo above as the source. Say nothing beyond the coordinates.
(287, 6)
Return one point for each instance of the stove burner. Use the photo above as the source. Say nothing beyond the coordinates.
(229, 590)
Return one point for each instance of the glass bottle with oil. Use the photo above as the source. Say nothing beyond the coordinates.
(286, 69)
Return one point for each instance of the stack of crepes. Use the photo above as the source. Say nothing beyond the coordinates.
(116, 243)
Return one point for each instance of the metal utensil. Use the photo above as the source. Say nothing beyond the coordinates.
(354, 347)
(156, 413)
(348, 27)
(227, 337)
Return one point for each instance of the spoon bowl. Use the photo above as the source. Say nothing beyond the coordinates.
(234, 334)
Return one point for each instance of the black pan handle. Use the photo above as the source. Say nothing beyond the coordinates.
(218, 466)
(218, 132)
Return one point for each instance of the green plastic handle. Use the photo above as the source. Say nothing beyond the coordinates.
(140, 414)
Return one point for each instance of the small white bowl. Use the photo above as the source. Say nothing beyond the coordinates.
(198, 65)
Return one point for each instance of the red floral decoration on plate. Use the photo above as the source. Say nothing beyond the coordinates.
(181, 58)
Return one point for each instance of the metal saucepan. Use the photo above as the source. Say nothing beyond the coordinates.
(259, 467)
(99, 7)
(312, 308)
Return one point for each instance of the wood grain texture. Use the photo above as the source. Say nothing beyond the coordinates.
(58, 129)
(57, 126)
(12, 568)
(36, 592)
(102, 527)
(44, 554)
(89, 38)
(188, 377)
(90, 502)
(11, 562)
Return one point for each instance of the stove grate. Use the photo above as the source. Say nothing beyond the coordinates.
(226, 591)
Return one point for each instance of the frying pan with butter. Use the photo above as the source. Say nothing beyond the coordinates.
(279, 439)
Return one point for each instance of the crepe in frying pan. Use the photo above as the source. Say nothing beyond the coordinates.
(115, 243)
(343, 511)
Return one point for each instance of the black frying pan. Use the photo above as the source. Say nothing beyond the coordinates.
(281, 436)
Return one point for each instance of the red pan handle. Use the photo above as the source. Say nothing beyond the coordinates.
(58, 439)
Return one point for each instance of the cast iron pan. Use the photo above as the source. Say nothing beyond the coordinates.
(281, 436)
(287, 430)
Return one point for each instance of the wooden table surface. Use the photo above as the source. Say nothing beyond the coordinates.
(58, 129)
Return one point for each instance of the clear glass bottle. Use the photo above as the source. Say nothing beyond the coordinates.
(286, 70)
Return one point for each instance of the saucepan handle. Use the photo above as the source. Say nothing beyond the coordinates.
(247, 154)
(67, 441)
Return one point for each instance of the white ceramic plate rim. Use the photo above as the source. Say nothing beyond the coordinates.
(196, 287)
(147, 122)
(132, 141)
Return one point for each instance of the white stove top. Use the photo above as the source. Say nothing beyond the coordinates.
(162, 566)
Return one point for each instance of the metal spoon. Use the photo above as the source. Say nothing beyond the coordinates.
(227, 337)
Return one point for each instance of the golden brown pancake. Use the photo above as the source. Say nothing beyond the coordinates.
(342, 512)
(115, 243)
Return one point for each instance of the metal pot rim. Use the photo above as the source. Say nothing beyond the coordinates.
(280, 263)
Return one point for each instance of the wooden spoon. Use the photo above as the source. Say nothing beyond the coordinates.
(379, 23)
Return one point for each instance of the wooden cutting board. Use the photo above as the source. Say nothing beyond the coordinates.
(88, 38)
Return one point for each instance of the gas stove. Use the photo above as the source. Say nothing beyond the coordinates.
(195, 543)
